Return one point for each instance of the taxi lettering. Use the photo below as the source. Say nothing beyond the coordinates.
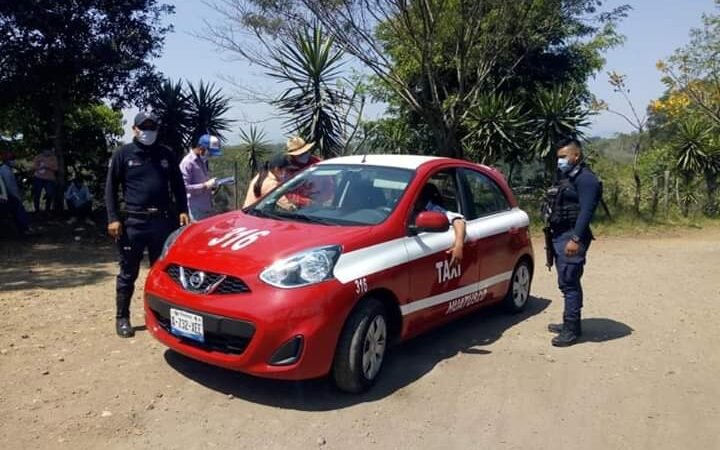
(466, 301)
(447, 273)
(238, 238)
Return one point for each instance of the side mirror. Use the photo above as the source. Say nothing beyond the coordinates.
(430, 221)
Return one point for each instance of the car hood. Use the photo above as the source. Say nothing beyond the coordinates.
(239, 244)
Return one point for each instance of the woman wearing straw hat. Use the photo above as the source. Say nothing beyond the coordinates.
(301, 158)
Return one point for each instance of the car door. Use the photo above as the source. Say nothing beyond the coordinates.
(489, 225)
(435, 286)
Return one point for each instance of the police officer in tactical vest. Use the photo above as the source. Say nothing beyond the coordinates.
(568, 209)
(148, 174)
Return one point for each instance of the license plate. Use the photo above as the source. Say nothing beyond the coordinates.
(183, 323)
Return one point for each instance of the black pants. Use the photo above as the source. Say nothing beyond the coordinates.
(138, 235)
(81, 212)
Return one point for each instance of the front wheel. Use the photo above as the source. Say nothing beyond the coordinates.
(361, 349)
(519, 290)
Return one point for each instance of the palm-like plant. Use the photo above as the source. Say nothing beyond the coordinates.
(255, 147)
(172, 105)
(691, 153)
(557, 113)
(310, 63)
(497, 128)
(207, 110)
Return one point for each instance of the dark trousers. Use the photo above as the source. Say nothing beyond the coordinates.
(39, 185)
(16, 209)
(570, 271)
(137, 235)
(81, 212)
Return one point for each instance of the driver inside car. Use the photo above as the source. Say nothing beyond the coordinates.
(431, 200)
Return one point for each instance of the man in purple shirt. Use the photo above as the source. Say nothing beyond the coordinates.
(196, 174)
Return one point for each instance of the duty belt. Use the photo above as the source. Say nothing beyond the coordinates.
(147, 213)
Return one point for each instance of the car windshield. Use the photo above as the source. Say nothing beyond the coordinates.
(337, 195)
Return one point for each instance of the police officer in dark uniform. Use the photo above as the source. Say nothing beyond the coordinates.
(148, 174)
(571, 204)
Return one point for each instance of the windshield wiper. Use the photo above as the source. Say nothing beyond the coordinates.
(261, 213)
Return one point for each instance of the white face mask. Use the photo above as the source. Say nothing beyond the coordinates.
(147, 137)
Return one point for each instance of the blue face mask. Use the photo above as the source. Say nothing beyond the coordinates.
(564, 165)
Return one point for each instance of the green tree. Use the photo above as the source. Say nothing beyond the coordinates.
(695, 69)
(431, 59)
(691, 151)
(208, 110)
(171, 103)
(254, 146)
(59, 55)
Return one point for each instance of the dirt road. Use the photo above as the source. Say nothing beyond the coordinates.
(646, 376)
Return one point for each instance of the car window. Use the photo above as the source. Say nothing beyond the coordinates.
(337, 195)
(484, 194)
(445, 182)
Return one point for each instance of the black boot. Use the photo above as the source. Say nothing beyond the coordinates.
(558, 327)
(569, 334)
(123, 328)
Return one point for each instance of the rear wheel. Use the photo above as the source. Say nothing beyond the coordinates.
(361, 349)
(519, 290)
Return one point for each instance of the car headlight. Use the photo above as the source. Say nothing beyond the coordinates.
(303, 269)
(170, 241)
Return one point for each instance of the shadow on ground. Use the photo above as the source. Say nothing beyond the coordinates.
(603, 330)
(404, 365)
(55, 260)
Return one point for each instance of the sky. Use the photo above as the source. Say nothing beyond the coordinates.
(653, 30)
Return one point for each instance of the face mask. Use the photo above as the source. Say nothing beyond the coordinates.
(564, 165)
(11, 163)
(304, 158)
(147, 137)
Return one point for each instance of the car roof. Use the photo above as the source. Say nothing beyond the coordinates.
(398, 161)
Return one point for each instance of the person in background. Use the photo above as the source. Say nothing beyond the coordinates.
(196, 175)
(45, 166)
(267, 179)
(79, 201)
(13, 197)
(430, 200)
(301, 157)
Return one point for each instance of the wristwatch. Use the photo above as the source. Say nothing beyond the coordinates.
(575, 238)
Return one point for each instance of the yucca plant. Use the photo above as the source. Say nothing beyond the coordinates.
(254, 146)
(314, 102)
(497, 128)
(691, 144)
(172, 105)
(208, 107)
(557, 113)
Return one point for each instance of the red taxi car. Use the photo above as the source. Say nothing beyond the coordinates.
(294, 293)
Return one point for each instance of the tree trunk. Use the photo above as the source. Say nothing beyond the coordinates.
(58, 123)
(666, 189)
(655, 196)
(636, 176)
(686, 197)
(711, 185)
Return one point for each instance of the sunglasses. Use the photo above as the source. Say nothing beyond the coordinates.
(148, 126)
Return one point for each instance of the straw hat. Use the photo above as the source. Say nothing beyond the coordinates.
(296, 146)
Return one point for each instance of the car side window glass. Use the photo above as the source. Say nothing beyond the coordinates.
(486, 197)
(445, 182)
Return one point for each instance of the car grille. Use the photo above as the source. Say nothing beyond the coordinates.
(201, 282)
(221, 334)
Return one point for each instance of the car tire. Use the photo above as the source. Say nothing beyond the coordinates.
(362, 347)
(518, 293)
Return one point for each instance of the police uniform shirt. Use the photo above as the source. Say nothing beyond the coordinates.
(145, 173)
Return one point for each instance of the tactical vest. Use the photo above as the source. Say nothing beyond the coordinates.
(561, 207)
